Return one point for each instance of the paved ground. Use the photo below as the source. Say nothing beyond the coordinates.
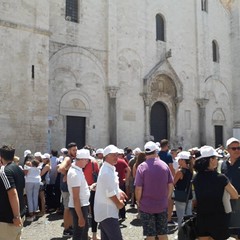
(49, 227)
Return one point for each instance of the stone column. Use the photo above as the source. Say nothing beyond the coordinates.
(202, 102)
(112, 92)
(146, 99)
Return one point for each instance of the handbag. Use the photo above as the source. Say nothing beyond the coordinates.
(234, 221)
(180, 195)
(187, 231)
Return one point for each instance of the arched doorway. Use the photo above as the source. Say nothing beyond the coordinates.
(159, 122)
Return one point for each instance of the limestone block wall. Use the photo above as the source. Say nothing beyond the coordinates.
(24, 44)
(91, 29)
(235, 53)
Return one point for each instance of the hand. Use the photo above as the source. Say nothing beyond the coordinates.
(123, 196)
(93, 187)
(121, 204)
(81, 222)
(17, 222)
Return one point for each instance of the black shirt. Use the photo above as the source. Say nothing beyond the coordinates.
(209, 187)
(11, 176)
(185, 183)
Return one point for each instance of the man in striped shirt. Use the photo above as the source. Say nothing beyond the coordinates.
(12, 184)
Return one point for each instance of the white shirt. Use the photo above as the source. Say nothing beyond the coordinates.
(76, 178)
(107, 186)
(33, 174)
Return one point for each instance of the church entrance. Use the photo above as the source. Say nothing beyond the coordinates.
(75, 131)
(159, 122)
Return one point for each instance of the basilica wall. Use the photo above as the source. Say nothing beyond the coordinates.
(24, 44)
(65, 68)
(78, 74)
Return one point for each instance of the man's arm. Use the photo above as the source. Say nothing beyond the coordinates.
(170, 190)
(14, 202)
(64, 166)
(138, 194)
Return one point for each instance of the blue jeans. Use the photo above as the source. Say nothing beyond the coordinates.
(32, 191)
(80, 233)
(180, 210)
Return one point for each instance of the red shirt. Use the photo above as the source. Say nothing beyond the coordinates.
(88, 171)
(121, 169)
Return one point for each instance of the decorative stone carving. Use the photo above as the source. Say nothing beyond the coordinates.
(202, 102)
(112, 91)
(162, 85)
(146, 98)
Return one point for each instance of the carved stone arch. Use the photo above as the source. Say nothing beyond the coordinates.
(130, 55)
(214, 88)
(162, 88)
(55, 59)
(75, 103)
(168, 71)
(218, 117)
(162, 85)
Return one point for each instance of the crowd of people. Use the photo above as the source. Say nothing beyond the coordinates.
(91, 187)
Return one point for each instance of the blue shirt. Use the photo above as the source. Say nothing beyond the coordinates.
(232, 172)
(166, 157)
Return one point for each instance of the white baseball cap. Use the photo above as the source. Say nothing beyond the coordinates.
(26, 152)
(120, 151)
(99, 150)
(46, 156)
(183, 155)
(110, 149)
(136, 150)
(150, 147)
(83, 154)
(63, 150)
(37, 154)
(231, 140)
(208, 151)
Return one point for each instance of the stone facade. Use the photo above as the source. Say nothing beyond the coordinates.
(109, 70)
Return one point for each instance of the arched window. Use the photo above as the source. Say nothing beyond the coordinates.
(204, 4)
(160, 28)
(215, 51)
(72, 10)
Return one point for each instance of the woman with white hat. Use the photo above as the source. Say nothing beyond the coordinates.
(182, 180)
(209, 186)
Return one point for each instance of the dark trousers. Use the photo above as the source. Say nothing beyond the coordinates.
(53, 196)
(80, 233)
(93, 222)
(110, 229)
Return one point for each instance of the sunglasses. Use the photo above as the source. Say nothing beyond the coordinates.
(235, 148)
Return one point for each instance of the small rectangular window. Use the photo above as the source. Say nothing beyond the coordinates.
(33, 72)
(204, 4)
(72, 10)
